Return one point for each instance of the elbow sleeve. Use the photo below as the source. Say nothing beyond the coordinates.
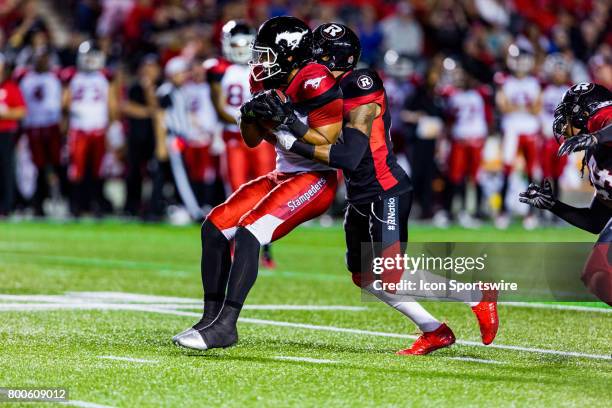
(348, 154)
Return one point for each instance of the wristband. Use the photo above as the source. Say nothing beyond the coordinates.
(303, 149)
(298, 128)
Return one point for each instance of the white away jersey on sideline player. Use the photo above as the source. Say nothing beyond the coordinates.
(89, 101)
(551, 96)
(468, 110)
(42, 93)
(522, 92)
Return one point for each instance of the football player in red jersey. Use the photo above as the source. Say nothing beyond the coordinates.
(584, 120)
(269, 207)
(379, 192)
(230, 88)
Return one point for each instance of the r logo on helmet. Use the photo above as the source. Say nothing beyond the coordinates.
(583, 87)
(365, 82)
(333, 32)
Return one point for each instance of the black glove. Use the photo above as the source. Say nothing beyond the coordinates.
(255, 108)
(284, 114)
(539, 196)
(577, 143)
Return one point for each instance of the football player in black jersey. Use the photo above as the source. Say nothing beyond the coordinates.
(583, 120)
(379, 192)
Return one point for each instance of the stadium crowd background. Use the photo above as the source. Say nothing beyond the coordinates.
(415, 44)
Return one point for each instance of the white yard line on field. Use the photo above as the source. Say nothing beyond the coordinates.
(68, 302)
(84, 404)
(306, 359)
(476, 360)
(573, 308)
(129, 359)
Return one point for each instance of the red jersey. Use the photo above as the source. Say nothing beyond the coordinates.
(10, 97)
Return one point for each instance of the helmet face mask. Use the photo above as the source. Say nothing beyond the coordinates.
(263, 63)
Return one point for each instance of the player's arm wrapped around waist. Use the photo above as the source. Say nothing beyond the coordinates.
(346, 155)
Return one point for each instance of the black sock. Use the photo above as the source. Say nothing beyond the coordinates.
(215, 264)
(243, 272)
(479, 195)
(504, 191)
(224, 332)
(267, 251)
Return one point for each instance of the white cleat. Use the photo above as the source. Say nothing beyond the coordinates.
(192, 340)
(183, 333)
(502, 222)
(467, 221)
(530, 222)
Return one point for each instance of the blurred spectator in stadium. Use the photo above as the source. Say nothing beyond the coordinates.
(423, 113)
(139, 110)
(601, 67)
(12, 110)
(370, 36)
(42, 91)
(447, 24)
(402, 31)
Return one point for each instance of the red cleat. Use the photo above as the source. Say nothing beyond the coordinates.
(268, 263)
(486, 313)
(442, 337)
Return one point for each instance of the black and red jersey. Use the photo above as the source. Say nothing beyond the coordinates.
(378, 175)
(599, 158)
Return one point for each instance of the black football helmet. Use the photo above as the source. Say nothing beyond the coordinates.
(576, 107)
(336, 46)
(281, 45)
(236, 39)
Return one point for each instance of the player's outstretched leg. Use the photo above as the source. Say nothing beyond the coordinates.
(215, 266)
(222, 332)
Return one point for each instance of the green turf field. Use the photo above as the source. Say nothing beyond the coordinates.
(67, 319)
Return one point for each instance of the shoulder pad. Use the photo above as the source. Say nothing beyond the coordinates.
(215, 68)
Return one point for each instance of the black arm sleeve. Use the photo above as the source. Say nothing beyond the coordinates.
(592, 219)
(345, 155)
(604, 135)
(348, 154)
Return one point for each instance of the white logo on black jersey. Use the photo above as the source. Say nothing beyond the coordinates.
(292, 39)
(333, 32)
(365, 82)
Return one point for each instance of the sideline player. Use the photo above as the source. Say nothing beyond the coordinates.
(269, 207)
(466, 109)
(584, 120)
(42, 91)
(519, 101)
(91, 108)
(556, 72)
(230, 88)
(379, 192)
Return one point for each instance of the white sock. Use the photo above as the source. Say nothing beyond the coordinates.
(470, 298)
(410, 308)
